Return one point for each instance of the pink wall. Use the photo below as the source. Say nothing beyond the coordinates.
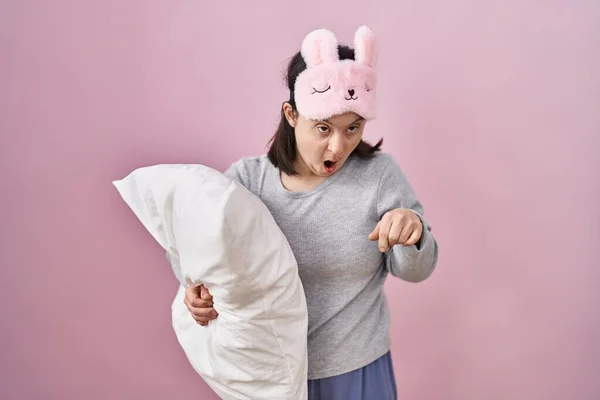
(90, 91)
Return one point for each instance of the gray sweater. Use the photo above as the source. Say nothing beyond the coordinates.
(342, 271)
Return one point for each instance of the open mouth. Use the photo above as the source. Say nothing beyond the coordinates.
(329, 166)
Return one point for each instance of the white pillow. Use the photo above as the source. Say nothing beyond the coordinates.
(219, 234)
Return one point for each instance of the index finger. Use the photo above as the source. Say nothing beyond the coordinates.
(384, 232)
(199, 303)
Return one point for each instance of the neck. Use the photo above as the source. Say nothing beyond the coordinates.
(304, 180)
(303, 172)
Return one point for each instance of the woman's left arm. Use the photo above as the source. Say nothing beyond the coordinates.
(403, 235)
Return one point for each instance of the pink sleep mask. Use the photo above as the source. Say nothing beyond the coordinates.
(330, 86)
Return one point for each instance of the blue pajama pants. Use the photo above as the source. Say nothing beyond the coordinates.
(372, 382)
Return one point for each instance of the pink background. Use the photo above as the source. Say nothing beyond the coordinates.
(492, 108)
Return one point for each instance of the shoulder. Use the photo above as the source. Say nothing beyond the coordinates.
(381, 172)
(377, 165)
(251, 165)
(249, 170)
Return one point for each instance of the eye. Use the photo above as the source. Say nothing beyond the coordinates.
(353, 129)
(323, 129)
(321, 91)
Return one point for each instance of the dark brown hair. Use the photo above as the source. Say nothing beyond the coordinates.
(282, 146)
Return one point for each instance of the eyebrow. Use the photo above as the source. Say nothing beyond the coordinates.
(360, 119)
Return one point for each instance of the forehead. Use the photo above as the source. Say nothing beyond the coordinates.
(343, 119)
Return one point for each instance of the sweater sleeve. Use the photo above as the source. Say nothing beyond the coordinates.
(410, 263)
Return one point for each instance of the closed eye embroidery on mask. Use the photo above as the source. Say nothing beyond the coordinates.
(321, 91)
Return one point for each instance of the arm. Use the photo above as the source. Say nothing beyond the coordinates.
(416, 262)
(198, 299)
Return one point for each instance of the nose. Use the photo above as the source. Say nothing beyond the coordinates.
(336, 144)
(351, 92)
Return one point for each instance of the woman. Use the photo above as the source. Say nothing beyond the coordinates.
(348, 212)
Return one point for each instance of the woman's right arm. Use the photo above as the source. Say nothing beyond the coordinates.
(198, 300)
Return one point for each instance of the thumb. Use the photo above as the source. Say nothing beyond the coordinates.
(204, 293)
(374, 235)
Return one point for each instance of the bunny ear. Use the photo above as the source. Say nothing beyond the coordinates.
(365, 47)
(320, 47)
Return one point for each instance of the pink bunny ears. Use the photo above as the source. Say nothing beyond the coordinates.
(330, 86)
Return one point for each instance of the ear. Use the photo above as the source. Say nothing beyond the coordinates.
(365, 47)
(290, 114)
(320, 47)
